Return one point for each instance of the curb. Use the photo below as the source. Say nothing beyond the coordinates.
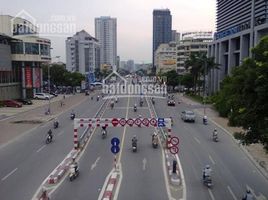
(110, 189)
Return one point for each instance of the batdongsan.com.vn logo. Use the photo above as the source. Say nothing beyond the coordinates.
(116, 85)
(23, 23)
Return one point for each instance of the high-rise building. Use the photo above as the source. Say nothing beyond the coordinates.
(130, 65)
(190, 43)
(175, 36)
(106, 33)
(240, 25)
(82, 53)
(162, 22)
(165, 58)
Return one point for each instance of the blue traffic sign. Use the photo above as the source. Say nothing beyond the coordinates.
(115, 141)
(161, 122)
(115, 149)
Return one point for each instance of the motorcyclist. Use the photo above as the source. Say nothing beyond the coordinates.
(205, 119)
(153, 100)
(215, 133)
(72, 114)
(135, 107)
(248, 196)
(134, 140)
(104, 129)
(56, 122)
(74, 165)
(98, 97)
(50, 133)
(171, 119)
(207, 172)
(154, 137)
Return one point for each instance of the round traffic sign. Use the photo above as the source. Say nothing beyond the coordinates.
(145, 122)
(115, 121)
(122, 122)
(153, 122)
(174, 140)
(130, 122)
(174, 149)
(138, 121)
(115, 141)
(115, 149)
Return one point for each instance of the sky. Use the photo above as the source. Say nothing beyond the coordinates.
(134, 20)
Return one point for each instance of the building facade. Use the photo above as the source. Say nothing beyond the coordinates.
(28, 52)
(175, 36)
(162, 28)
(106, 34)
(191, 42)
(165, 58)
(240, 26)
(82, 53)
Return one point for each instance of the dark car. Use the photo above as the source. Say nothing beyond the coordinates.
(55, 94)
(25, 101)
(12, 103)
(171, 102)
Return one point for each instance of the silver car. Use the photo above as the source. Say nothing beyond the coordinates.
(188, 116)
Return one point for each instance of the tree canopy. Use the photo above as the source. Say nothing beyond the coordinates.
(244, 96)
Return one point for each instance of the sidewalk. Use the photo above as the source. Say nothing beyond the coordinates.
(26, 120)
(255, 151)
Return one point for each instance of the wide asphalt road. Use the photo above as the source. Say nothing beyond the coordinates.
(232, 172)
(142, 171)
(26, 162)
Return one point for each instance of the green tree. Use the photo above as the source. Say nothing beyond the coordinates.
(244, 96)
(172, 78)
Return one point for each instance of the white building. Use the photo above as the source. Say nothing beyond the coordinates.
(191, 42)
(165, 57)
(106, 33)
(82, 53)
(20, 42)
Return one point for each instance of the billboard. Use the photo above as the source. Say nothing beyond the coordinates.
(28, 77)
(37, 78)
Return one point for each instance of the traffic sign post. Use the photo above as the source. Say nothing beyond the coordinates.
(115, 148)
(172, 145)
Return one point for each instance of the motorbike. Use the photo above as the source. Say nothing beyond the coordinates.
(98, 98)
(116, 100)
(104, 134)
(215, 138)
(112, 105)
(207, 181)
(73, 175)
(135, 109)
(141, 103)
(134, 146)
(56, 124)
(205, 121)
(49, 139)
(155, 143)
(72, 116)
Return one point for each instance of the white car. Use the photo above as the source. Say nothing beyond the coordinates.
(188, 116)
(43, 96)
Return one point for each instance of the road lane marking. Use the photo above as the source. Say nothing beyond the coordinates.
(124, 133)
(95, 163)
(9, 174)
(197, 140)
(40, 149)
(231, 192)
(211, 194)
(144, 162)
(211, 159)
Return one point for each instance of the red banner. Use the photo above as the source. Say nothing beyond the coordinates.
(28, 77)
(37, 78)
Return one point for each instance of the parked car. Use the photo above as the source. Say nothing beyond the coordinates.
(12, 103)
(43, 96)
(54, 94)
(171, 102)
(188, 116)
(25, 101)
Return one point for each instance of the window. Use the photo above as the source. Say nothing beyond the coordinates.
(45, 49)
(31, 48)
(17, 48)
